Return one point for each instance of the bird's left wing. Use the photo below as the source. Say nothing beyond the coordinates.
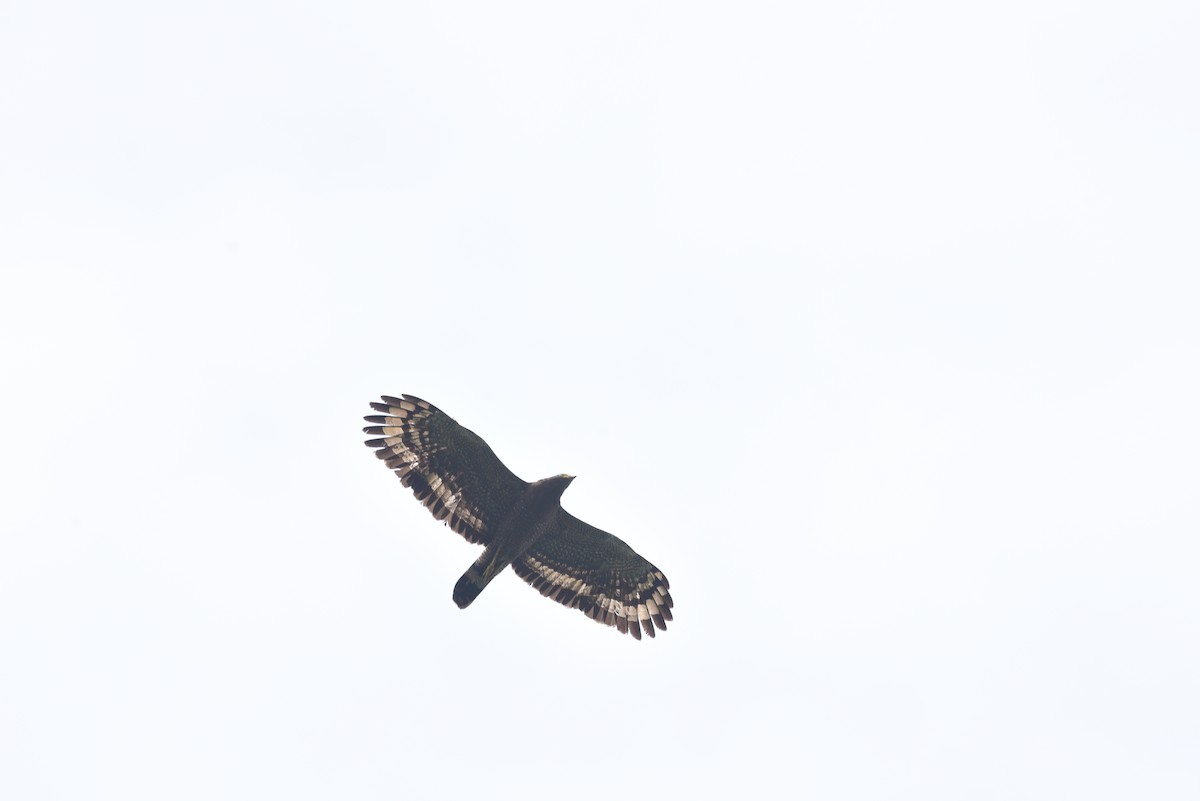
(447, 466)
(581, 566)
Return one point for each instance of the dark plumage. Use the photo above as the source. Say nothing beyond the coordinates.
(460, 480)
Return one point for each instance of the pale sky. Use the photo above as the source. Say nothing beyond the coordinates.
(873, 325)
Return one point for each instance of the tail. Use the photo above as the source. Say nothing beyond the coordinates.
(469, 586)
(486, 567)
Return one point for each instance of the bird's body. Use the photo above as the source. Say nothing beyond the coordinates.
(460, 480)
(534, 515)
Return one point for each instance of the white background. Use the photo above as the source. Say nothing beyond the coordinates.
(873, 325)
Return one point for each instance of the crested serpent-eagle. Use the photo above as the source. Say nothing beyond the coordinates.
(461, 481)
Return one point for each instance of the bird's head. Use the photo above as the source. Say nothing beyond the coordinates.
(555, 485)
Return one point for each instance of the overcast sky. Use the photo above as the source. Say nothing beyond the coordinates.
(873, 325)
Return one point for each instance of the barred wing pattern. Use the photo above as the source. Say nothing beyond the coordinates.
(583, 567)
(449, 468)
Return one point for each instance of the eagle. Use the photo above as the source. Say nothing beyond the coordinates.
(461, 481)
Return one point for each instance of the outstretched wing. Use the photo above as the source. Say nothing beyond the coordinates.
(591, 570)
(449, 468)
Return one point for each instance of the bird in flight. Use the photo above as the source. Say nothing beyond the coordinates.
(454, 473)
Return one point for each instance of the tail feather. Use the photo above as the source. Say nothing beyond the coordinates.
(469, 586)
(479, 575)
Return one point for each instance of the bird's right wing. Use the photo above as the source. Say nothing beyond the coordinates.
(581, 566)
(449, 468)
